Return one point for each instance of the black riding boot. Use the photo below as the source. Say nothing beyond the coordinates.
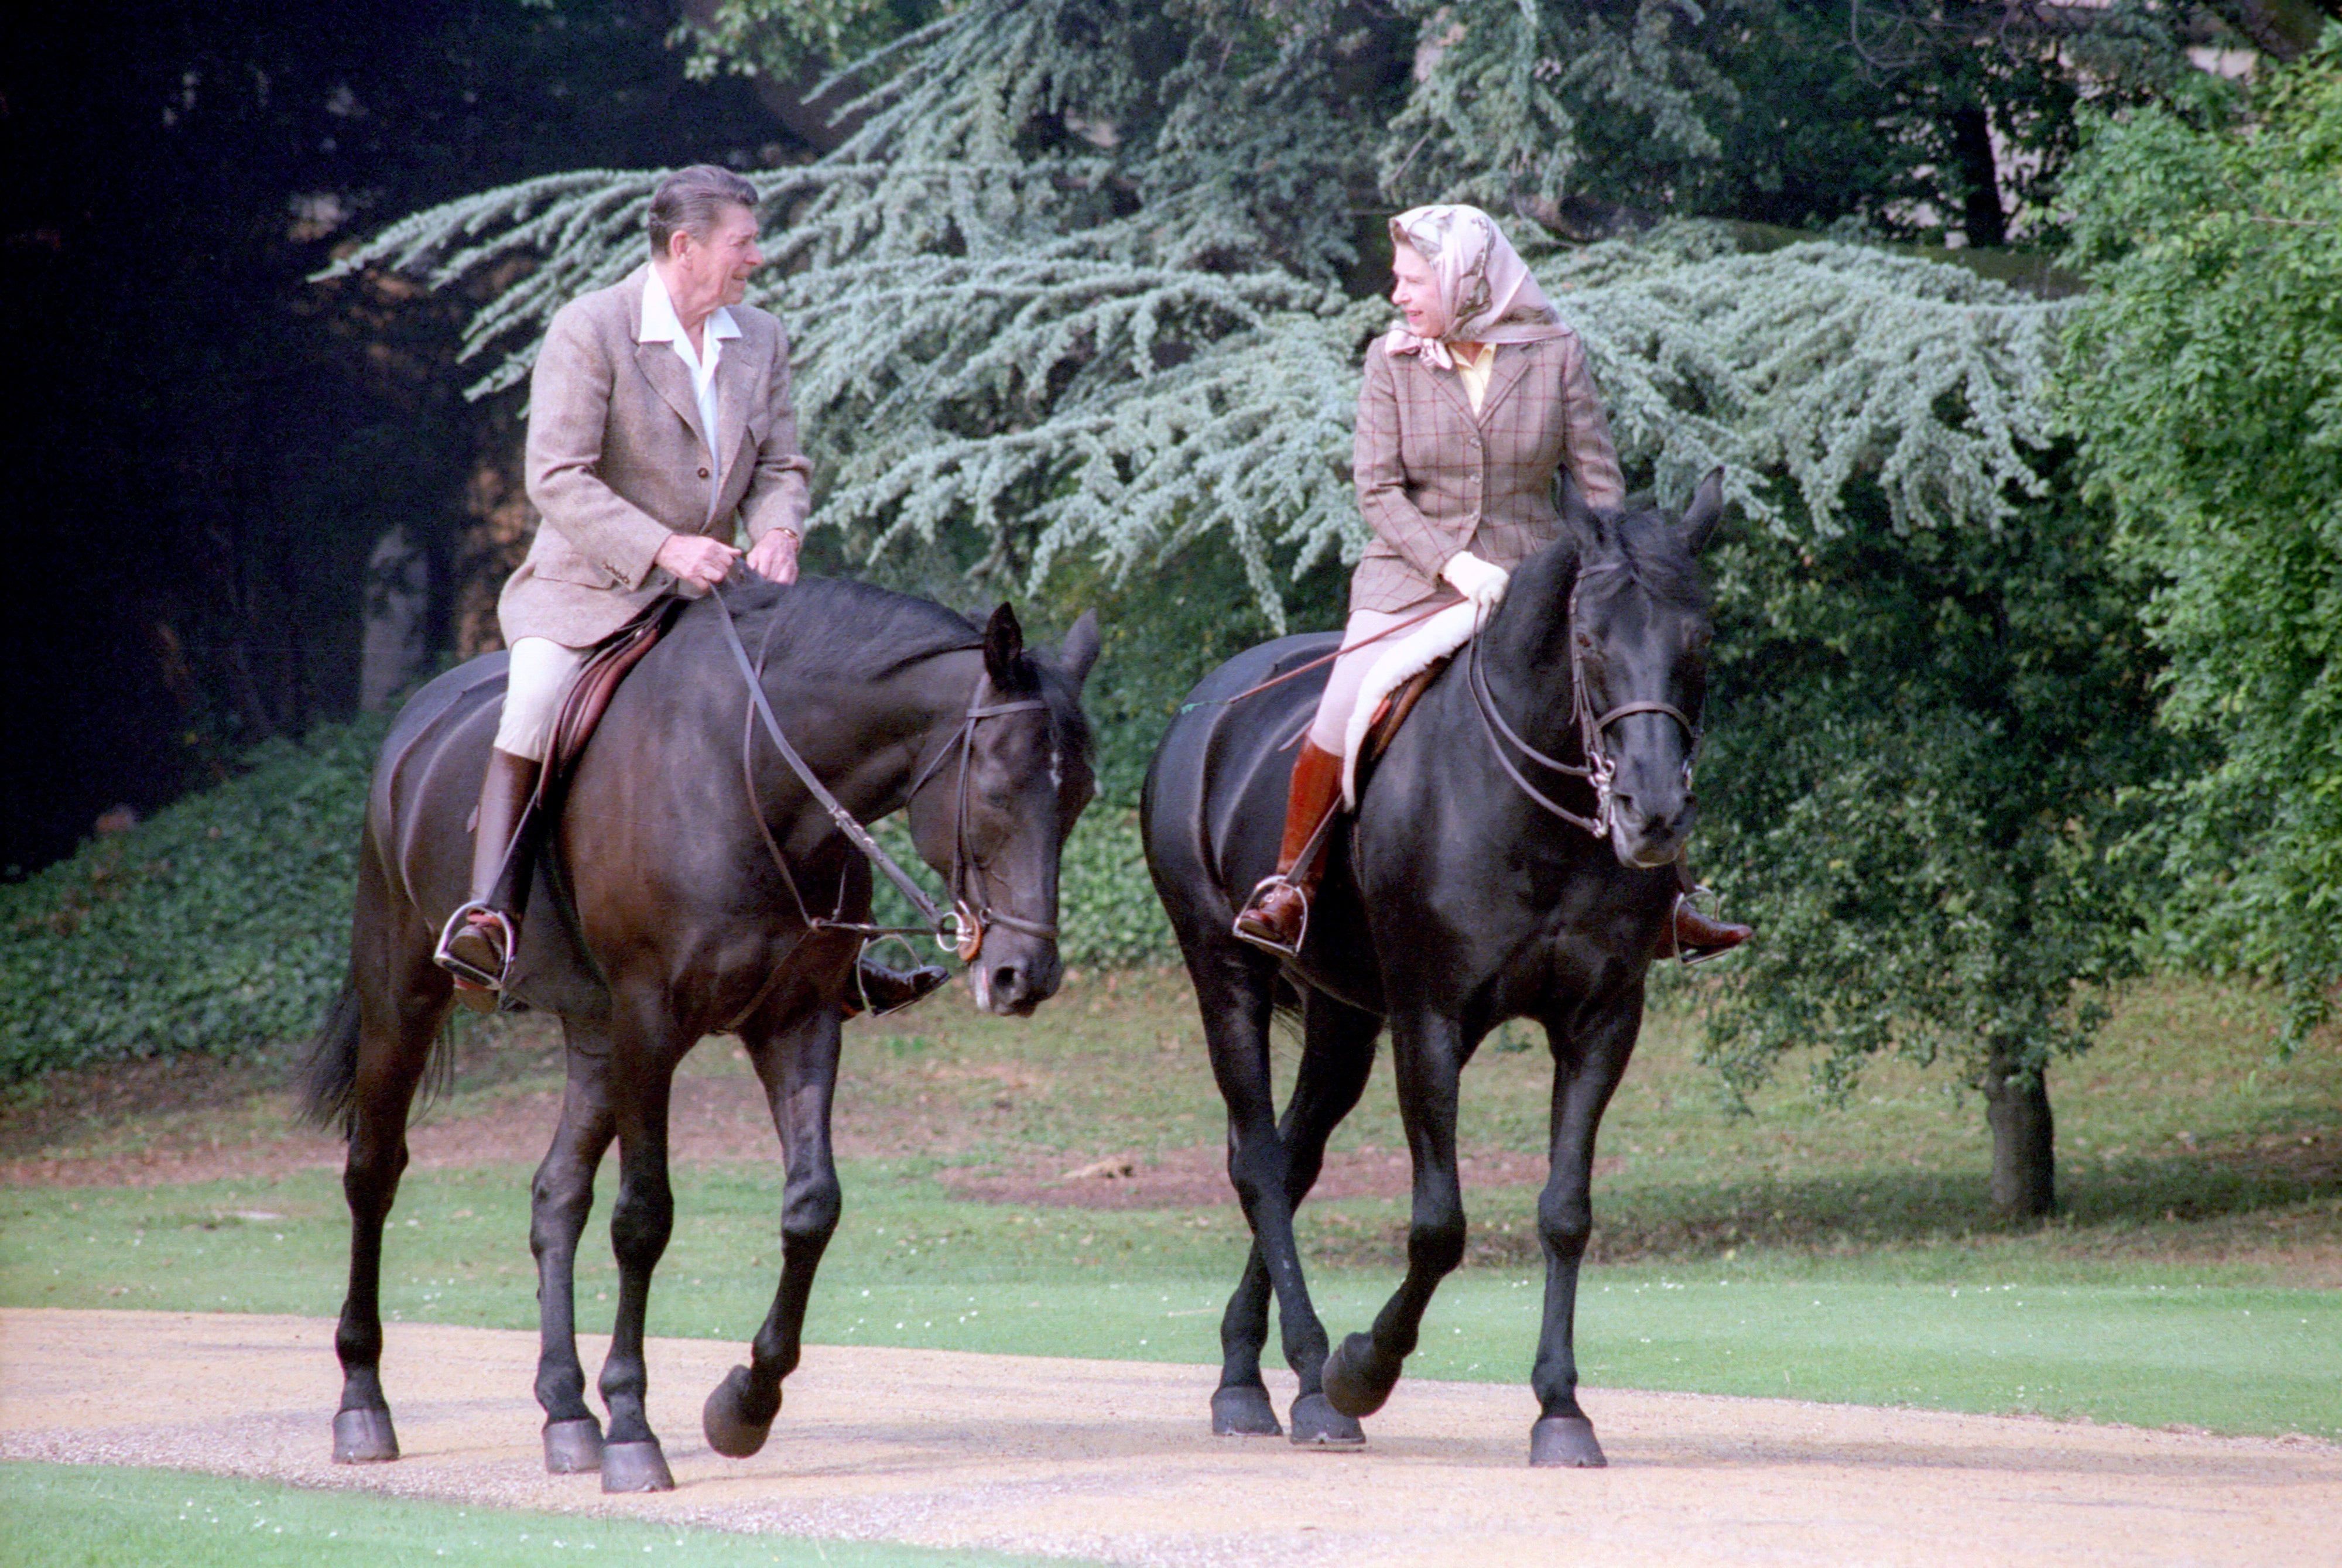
(883, 990)
(477, 943)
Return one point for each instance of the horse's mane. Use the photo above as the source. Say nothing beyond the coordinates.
(860, 631)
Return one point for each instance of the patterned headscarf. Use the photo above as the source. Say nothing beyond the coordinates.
(1482, 282)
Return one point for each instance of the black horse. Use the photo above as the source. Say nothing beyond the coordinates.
(693, 886)
(1461, 894)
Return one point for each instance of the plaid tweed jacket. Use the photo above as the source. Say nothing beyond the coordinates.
(1433, 478)
(616, 461)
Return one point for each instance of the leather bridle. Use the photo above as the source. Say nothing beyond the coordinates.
(1599, 767)
(961, 929)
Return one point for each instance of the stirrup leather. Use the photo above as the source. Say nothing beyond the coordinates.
(1266, 885)
(497, 929)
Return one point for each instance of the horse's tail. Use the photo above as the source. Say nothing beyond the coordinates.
(328, 1074)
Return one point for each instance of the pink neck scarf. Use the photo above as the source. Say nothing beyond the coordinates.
(1482, 282)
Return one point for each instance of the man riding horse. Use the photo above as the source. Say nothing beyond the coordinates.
(659, 421)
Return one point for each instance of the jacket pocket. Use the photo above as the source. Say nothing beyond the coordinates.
(567, 566)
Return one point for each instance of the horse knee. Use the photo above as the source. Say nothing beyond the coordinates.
(1564, 1222)
(811, 1213)
(1436, 1246)
(639, 1227)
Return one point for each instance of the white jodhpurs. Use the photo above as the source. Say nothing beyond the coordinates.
(542, 674)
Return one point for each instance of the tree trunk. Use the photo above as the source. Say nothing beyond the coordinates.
(2024, 1136)
(1979, 171)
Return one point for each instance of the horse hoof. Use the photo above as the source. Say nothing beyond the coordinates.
(1350, 1378)
(1317, 1424)
(1244, 1411)
(636, 1467)
(726, 1419)
(573, 1447)
(363, 1437)
(1565, 1442)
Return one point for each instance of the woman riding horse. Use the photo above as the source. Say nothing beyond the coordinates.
(1469, 408)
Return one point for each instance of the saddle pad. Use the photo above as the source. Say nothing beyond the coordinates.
(589, 693)
(1436, 639)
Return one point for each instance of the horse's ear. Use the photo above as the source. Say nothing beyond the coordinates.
(1004, 646)
(1584, 524)
(1707, 509)
(1080, 650)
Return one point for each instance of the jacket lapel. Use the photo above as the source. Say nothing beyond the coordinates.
(1512, 360)
(736, 380)
(665, 370)
(1449, 384)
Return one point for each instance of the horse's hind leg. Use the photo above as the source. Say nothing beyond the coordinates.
(1231, 992)
(798, 1062)
(378, 1051)
(1426, 1058)
(1338, 1051)
(560, 1198)
(1586, 1070)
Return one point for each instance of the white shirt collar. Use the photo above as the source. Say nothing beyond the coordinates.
(661, 324)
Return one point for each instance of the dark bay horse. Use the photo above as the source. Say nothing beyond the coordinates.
(1462, 894)
(684, 893)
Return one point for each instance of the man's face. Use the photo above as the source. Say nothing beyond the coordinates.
(715, 271)
(1416, 292)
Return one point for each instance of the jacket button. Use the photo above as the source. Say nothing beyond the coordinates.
(703, 474)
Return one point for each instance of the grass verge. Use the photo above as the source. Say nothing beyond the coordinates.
(86, 1517)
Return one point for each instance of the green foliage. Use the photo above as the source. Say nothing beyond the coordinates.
(1918, 791)
(1555, 100)
(2205, 385)
(222, 924)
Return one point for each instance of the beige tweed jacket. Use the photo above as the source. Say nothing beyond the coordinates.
(1435, 478)
(616, 462)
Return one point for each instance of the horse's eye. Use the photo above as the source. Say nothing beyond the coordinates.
(1586, 641)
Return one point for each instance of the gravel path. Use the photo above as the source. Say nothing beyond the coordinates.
(1113, 1460)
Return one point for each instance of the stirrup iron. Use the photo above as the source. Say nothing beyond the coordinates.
(497, 929)
(1300, 938)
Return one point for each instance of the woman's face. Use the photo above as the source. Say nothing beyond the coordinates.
(1416, 291)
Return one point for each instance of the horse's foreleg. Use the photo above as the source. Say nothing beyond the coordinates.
(641, 1221)
(1427, 1058)
(1586, 1072)
(560, 1198)
(799, 1066)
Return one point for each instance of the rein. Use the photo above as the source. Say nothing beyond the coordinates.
(1599, 766)
(960, 931)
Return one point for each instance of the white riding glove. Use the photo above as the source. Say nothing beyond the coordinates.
(1481, 581)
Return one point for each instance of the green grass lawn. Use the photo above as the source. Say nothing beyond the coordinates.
(1836, 1254)
(90, 1517)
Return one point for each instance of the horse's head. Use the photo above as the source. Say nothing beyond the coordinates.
(1638, 648)
(994, 821)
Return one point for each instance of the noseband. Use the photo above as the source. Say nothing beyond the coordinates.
(962, 929)
(1599, 766)
(967, 926)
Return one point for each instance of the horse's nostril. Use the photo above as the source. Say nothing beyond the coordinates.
(1007, 979)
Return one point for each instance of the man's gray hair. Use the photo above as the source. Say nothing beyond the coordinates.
(687, 200)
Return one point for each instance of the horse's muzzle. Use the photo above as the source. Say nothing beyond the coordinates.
(1010, 984)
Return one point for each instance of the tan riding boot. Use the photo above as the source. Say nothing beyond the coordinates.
(476, 944)
(1276, 916)
(1693, 936)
